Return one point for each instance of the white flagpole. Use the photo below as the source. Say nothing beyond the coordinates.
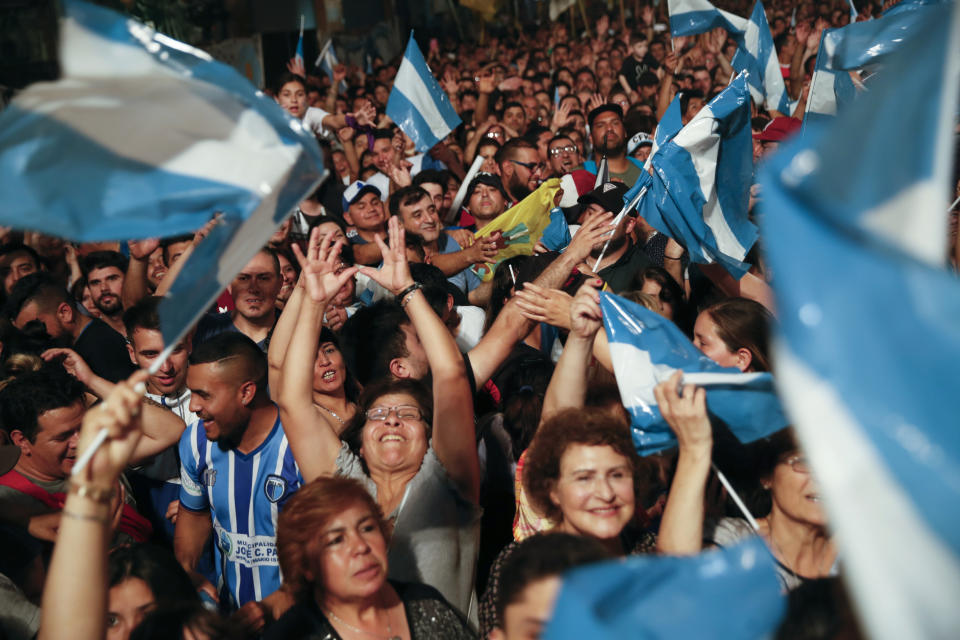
(736, 498)
(462, 191)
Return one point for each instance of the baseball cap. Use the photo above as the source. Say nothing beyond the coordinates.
(778, 129)
(608, 195)
(609, 106)
(638, 140)
(486, 178)
(352, 193)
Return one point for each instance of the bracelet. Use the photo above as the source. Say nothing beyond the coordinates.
(84, 516)
(672, 258)
(403, 294)
(94, 494)
(406, 298)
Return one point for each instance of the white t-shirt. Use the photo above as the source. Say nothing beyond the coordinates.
(313, 120)
(470, 329)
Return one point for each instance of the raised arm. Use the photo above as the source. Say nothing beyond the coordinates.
(681, 528)
(454, 437)
(568, 385)
(135, 286)
(313, 438)
(282, 333)
(75, 594)
(511, 327)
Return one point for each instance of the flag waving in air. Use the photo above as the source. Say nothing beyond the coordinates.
(647, 349)
(701, 181)
(690, 17)
(869, 343)
(417, 103)
(758, 57)
(77, 162)
(327, 62)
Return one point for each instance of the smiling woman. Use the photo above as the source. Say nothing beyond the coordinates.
(332, 541)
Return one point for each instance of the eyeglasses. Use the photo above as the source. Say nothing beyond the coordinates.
(530, 166)
(404, 412)
(798, 464)
(556, 151)
(494, 134)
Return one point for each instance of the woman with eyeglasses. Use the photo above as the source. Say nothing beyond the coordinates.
(792, 521)
(415, 453)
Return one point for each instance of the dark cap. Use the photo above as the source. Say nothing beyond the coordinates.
(609, 195)
(490, 179)
(609, 106)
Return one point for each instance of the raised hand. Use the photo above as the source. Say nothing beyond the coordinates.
(119, 414)
(366, 115)
(141, 249)
(686, 414)
(595, 101)
(394, 274)
(483, 250)
(339, 74)
(346, 134)
(544, 305)
(561, 117)
(72, 363)
(295, 66)
(585, 315)
(319, 267)
(593, 231)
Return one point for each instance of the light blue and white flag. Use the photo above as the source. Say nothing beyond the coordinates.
(701, 182)
(417, 103)
(690, 17)
(144, 136)
(869, 343)
(758, 57)
(863, 45)
(327, 61)
(715, 595)
(298, 56)
(669, 126)
(647, 349)
(853, 11)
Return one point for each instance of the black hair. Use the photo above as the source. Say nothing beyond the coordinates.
(416, 389)
(103, 260)
(432, 176)
(233, 344)
(32, 394)
(286, 77)
(372, 338)
(382, 134)
(157, 567)
(500, 286)
(142, 315)
(542, 556)
(434, 285)
(42, 288)
(405, 197)
(686, 96)
(13, 248)
(173, 621)
(533, 133)
(166, 243)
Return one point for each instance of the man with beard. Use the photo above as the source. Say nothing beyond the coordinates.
(40, 298)
(105, 272)
(236, 466)
(610, 140)
(520, 168)
(563, 155)
(418, 215)
(623, 258)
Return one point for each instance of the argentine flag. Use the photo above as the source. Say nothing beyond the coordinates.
(854, 47)
(326, 62)
(647, 349)
(669, 126)
(868, 351)
(724, 593)
(417, 103)
(758, 57)
(690, 17)
(701, 181)
(144, 136)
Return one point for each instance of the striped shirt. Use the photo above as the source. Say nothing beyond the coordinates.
(244, 493)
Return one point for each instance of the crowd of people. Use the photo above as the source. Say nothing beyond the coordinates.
(365, 437)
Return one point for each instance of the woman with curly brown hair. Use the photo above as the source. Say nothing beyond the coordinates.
(332, 544)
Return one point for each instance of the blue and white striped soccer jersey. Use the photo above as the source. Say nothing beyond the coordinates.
(244, 493)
